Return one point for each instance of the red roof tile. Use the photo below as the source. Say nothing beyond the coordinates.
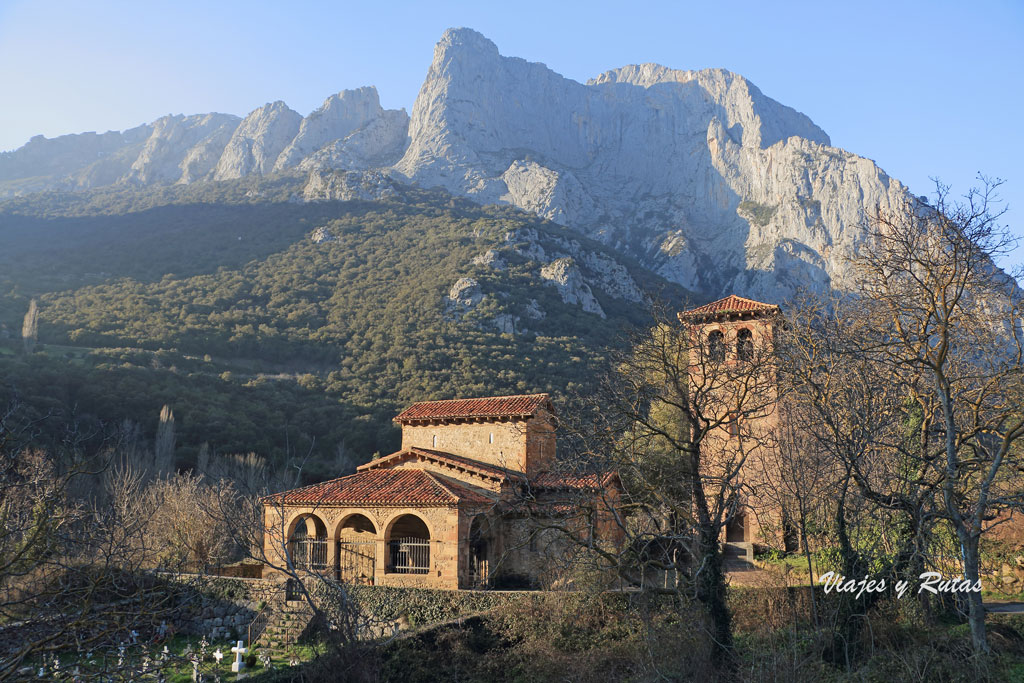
(730, 304)
(570, 481)
(440, 457)
(383, 487)
(491, 406)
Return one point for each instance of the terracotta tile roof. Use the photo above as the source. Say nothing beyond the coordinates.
(490, 406)
(383, 487)
(565, 481)
(730, 304)
(447, 459)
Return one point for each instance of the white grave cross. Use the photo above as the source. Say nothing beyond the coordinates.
(239, 650)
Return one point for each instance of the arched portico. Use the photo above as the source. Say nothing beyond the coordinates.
(407, 538)
(356, 540)
(307, 542)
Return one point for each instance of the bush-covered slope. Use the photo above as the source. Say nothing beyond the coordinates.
(217, 300)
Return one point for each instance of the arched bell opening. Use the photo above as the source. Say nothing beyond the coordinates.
(745, 345)
(716, 347)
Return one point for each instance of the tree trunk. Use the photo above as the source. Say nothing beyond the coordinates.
(711, 592)
(976, 610)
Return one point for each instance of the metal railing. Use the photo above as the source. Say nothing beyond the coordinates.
(310, 553)
(258, 625)
(409, 556)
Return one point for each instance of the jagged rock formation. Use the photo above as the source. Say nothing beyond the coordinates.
(258, 141)
(696, 173)
(322, 235)
(564, 275)
(463, 296)
(350, 131)
(181, 149)
(352, 118)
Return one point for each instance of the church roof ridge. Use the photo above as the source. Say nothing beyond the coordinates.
(729, 305)
(515, 405)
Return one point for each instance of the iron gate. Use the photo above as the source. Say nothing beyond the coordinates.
(409, 556)
(308, 553)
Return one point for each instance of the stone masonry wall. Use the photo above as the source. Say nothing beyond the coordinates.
(520, 445)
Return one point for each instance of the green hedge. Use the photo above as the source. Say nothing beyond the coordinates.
(426, 606)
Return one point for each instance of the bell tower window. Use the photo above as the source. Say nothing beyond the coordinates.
(716, 347)
(744, 345)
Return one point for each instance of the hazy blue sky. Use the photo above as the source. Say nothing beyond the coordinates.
(929, 88)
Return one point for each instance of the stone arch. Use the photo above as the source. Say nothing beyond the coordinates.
(355, 557)
(408, 538)
(307, 542)
(358, 523)
(388, 526)
(314, 525)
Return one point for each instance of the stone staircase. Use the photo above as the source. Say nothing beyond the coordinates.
(738, 557)
(287, 622)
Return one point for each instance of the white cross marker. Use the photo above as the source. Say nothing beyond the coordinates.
(218, 655)
(239, 650)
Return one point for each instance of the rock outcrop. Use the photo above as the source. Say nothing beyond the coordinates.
(258, 141)
(347, 185)
(341, 117)
(563, 274)
(666, 165)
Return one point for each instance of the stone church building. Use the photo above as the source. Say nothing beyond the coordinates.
(470, 498)
(461, 505)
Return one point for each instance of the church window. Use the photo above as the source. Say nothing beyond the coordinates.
(744, 345)
(716, 347)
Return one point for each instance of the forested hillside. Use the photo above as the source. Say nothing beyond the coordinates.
(278, 326)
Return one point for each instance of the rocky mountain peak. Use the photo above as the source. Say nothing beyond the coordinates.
(697, 174)
(462, 38)
(258, 141)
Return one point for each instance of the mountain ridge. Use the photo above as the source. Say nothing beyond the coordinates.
(697, 174)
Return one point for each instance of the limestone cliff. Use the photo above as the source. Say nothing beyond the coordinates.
(258, 141)
(340, 117)
(696, 173)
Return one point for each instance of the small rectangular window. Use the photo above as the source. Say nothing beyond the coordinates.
(434, 442)
(491, 438)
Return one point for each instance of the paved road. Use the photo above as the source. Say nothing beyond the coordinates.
(1005, 607)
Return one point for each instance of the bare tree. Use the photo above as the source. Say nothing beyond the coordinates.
(946, 321)
(678, 419)
(71, 573)
(846, 417)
